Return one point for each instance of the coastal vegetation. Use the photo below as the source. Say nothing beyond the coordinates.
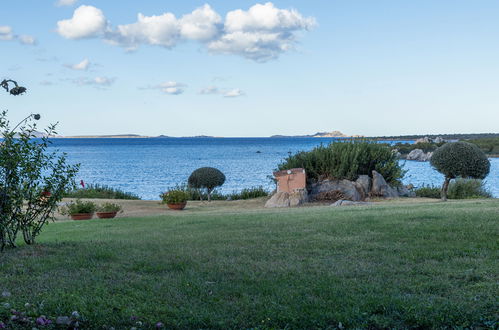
(391, 265)
(458, 189)
(459, 159)
(207, 178)
(100, 191)
(489, 146)
(346, 160)
(194, 194)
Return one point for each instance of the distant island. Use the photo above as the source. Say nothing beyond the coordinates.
(333, 134)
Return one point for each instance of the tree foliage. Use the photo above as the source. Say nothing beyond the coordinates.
(460, 159)
(208, 178)
(346, 160)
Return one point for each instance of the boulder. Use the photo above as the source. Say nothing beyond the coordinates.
(363, 183)
(419, 155)
(343, 202)
(382, 189)
(344, 189)
(425, 139)
(284, 199)
(404, 191)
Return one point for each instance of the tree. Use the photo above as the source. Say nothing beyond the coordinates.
(32, 180)
(459, 159)
(208, 178)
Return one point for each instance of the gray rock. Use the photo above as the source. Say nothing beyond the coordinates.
(364, 184)
(346, 189)
(343, 202)
(403, 191)
(284, 199)
(419, 155)
(439, 139)
(382, 189)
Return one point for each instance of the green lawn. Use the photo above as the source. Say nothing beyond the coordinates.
(391, 265)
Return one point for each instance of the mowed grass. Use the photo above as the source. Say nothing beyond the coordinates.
(427, 265)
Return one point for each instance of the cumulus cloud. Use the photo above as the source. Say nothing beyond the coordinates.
(82, 66)
(169, 87)
(61, 3)
(87, 22)
(213, 90)
(6, 33)
(261, 33)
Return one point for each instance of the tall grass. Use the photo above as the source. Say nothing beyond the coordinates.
(100, 191)
(458, 189)
(197, 194)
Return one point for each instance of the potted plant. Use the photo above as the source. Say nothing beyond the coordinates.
(175, 199)
(79, 210)
(108, 210)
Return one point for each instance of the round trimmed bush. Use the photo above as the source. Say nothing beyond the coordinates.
(208, 178)
(459, 159)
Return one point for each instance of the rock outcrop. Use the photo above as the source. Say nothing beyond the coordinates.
(419, 155)
(285, 199)
(333, 190)
(381, 188)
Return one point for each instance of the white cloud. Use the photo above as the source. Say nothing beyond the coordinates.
(97, 81)
(233, 93)
(169, 87)
(87, 22)
(6, 33)
(261, 33)
(213, 90)
(61, 3)
(202, 24)
(27, 40)
(153, 30)
(82, 66)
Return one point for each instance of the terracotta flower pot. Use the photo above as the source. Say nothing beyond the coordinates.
(82, 216)
(177, 206)
(106, 215)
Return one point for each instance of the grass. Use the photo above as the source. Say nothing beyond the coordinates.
(398, 265)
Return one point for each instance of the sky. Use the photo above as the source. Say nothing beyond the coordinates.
(249, 69)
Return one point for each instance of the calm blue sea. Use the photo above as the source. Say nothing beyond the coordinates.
(149, 166)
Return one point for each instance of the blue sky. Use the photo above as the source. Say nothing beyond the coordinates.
(246, 68)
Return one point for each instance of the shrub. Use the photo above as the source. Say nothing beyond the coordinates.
(428, 192)
(32, 180)
(206, 178)
(109, 207)
(459, 159)
(100, 191)
(78, 206)
(346, 160)
(248, 193)
(468, 188)
(174, 197)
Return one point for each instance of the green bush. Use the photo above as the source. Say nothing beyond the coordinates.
(78, 206)
(428, 192)
(174, 197)
(206, 178)
(109, 207)
(460, 159)
(347, 160)
(468, 188)
(100, 191)
(249, 193)
(487, 145)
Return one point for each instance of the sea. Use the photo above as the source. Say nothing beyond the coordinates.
(149, 166)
